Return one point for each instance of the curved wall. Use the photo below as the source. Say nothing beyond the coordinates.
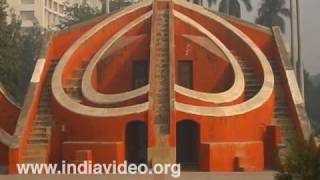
(9, 113)
(236, 134)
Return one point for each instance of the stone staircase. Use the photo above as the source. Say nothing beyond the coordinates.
(162, 153)
(281, 116)
(74, 87)
(38, 143)
(252, 84)
(161, 99)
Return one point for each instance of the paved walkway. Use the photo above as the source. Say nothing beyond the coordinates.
(184, 176)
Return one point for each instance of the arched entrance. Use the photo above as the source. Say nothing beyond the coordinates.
(136, 142)
(188, 141)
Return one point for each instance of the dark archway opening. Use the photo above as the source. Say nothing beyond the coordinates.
(188, 142)
(136, 142)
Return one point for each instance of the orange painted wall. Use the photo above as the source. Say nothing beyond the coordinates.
(210, 73)
(232, 157)
(228, 38)
(263, 39)
(4, 156)
(217, 135)
(9, 114)
(240, 128)
(115, 151)
(88, 49)
(117, 74)
(74, 127)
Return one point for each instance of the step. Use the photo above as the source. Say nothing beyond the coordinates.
(44, 109)
(252, 81)
(39, 145)
(281, 115)
(40, 129)
(40, 135)
(162, 72)
(282, 146)
(281, 109)
(38, 140)
(249, 74)
(74, 81)
(42, 123)
(35, 159)
(252, 88)
(281, 100)
(47, 93)
(78, 72)
(246, 68)
(253, 85)
(36, 149)
(71, 88)
(43, 116)
(75, 93)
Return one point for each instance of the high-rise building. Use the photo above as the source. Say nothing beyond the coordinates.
(46, 12)
(92, 3)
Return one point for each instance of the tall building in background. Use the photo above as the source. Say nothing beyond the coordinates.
(92, 3)
(46, 12)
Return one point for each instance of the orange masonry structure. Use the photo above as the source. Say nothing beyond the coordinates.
(158, 82)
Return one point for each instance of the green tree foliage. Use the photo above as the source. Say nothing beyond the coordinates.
(104, 5)
(312, 101)
(77, 13)
(303, 161)
(199, 2)
(3, 13)
(272, 13)
(10, 62)
(29, 48)
(18, 51)
(232, 7)
(81, 12)
(118, 4)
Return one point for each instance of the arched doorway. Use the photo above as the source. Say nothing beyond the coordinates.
(188, 141)
(136, 142)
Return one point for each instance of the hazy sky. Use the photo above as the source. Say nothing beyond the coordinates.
(310, 24)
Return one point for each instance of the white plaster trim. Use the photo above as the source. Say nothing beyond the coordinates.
(6, 138)
(89, 92)
(67, 102)
(238, 86)
(38, 70)
(258, 100)
(8, 97)
(294, 87)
